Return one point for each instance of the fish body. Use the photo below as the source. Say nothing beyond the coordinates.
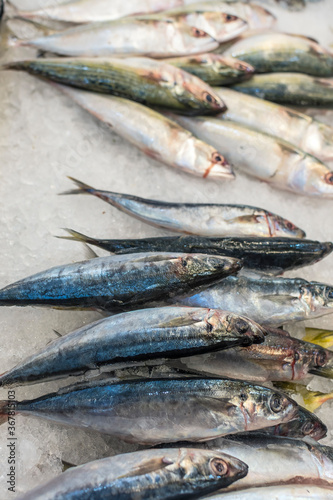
(139, 79)
(279, 358)
(255, 15)
(164, 473)
(266, 255)
(281, 52)
(283, 492)
(302, 130)
(89, 11)
(140, 411)
(154, 134)
(117, 282)
(263, 156)
(131, 36)
(294, 89)
(214, 69)
(210, 220)
(132, 337)
(269, 301)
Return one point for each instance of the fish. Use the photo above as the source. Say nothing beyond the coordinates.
(160, 138)
(255, 15)
(263, 156)
(118, 282)
(312, 400)
(2, 8)
(283, 52)
(220, 26)
(282, 492)
(211, 220)
(140, 79)
(214, 69)
(133, 337)
(318, 336)
(90, 11)
(129, 36)
(303, 131)
(279, 358)
(265, 255)
(269, 301)
(163, 473)
(156, 411)
(294, 89)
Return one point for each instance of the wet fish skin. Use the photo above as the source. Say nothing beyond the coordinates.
(269, 301)
(283, 492)
(164, 473)
(214, 69)
(89, 11)
(129, 36)
(140, 79)
(199, 409)
(305, 132)
(159, 137)
(265, 255)
(263, 156)
(133, 337)
(282, 52)
(294, 89)
(117, 282)
(212, 220)
(279, 358)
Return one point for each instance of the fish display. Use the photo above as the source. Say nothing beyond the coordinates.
(164, 473)
(304, 131)
(279, 358)
(159, 138)
(117, 282)
(282, 52)
(294, 89)
(129, 36)
(263, 156)
(211, 220)
(265, 255)
(269, 301)
(282, 492)
(140, 411)
(214, 69)
(139, 79)
(90, 11)
(133, 337)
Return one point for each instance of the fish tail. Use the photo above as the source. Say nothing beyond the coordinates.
(314, 399)
(323, 338)
(7, 410)
(76, 236)
(82, 188)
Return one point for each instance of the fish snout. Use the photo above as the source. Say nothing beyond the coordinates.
(322, 364)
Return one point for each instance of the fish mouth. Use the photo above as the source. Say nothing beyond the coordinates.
(323, 371)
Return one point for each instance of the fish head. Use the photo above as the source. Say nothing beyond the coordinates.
(305, 424)
(211, 162)
(313, 177)
(196, 95)
(220, 25)
(317, 298)
(241, 69)
(196, 40)
(214, 467)
(263, 407)
(283, 227)
(321, 362)
(242, 328)
(202, 265)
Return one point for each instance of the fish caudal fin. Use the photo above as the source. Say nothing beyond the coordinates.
(324, 338)
(76, 236)
(82, 187)
(7, 410)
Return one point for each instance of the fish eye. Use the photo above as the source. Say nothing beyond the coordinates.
(209, 98)
(296, 356)
(229, 17)
(329, 178)
(320, 358)
(241, 326)
(329, 293)
(276, 403)
(219, 467)
(217, 158)
(290, 226)
(198, 33)
(243, 397)
(307, 428)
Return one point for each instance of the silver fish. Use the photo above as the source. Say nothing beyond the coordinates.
(302, 130)
(282, 492)
(130, 36)
(263, 156)
(269, 301)
(277, 52)
(162, 410)
(150, 474)
(159, 137)
(200, 219)
(133, 337)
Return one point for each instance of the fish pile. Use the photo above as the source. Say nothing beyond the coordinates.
(191, 359)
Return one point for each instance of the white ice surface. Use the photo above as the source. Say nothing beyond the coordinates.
(43, 138)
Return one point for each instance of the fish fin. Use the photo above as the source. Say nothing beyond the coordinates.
(38, 25)
(57, 333)
(309, 38)
(67, 465)
(8, 38)
(90, 253)
(82, 187)
(314, 399)
(180, 321)
(148, 466)
(4, 410)
(323, 338)
(324, 82)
